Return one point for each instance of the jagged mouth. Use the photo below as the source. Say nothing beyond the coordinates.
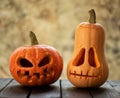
(36, 78)
(26, 73)
(35, 75)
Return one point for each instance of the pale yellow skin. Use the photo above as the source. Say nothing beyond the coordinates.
(89, 39)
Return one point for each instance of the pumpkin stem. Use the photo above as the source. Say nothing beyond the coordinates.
(33, 38)
(92, 18)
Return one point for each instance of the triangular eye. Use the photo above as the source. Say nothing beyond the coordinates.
(44, 61)
(92, 58)
(79, 60)
(24, 62)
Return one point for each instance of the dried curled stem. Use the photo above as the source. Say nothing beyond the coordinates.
(92, 18)
(33, 38)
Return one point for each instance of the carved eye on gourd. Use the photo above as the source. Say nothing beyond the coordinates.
(79, 60)
(22, 62)
(46, 60)
(92, 58)
(35, 65)
(88, 66)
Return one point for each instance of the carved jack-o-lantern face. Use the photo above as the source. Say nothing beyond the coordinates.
(85, 69)
(36, 65)
(88, 66)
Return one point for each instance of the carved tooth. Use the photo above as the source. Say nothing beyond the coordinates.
(22, 72)
(74, 74)
(26, 73)
(31, 73)
(37, 75)
(48, 75)
(70, 72)
(19, 74)
(94, 75)
(80, 77)
(42, 77)
(41, 80)
(52, 73)
(81, 73)
(86, 77)
(33, 80)
(87, 74)
(24, 78)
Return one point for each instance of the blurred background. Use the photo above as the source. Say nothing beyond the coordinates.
(54, 23)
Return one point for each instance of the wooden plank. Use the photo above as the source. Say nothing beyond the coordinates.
(69, 91)
(52, 91)
(114, 82)
(116, 85)
(3, 83)
(9, 88)
(105, 91)
(14, 90)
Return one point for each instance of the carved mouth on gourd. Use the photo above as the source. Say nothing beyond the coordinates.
(82, 75)
(26, 73)
(92, 60)
(35, 75)
(25, 63)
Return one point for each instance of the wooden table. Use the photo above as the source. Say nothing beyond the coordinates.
(9, 88)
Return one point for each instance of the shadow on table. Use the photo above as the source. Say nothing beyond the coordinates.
(102, 92)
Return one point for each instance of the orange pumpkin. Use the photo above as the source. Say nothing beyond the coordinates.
(35, 65)
(87, 66)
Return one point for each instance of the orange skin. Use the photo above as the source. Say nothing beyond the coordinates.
(36, 65)
(87, 66)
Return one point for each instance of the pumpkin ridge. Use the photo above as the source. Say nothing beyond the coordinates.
(26, 68)
(87, 66)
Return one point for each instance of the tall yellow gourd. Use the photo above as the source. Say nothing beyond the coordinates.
(87, 66)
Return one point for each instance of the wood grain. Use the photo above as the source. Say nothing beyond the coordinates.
(69, 91)
(14, 90)
(105, 91)
(52, 91)
(3, 83)
(9, 88)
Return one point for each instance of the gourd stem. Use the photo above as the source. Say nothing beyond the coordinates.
(92, 18)
(33, 38)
